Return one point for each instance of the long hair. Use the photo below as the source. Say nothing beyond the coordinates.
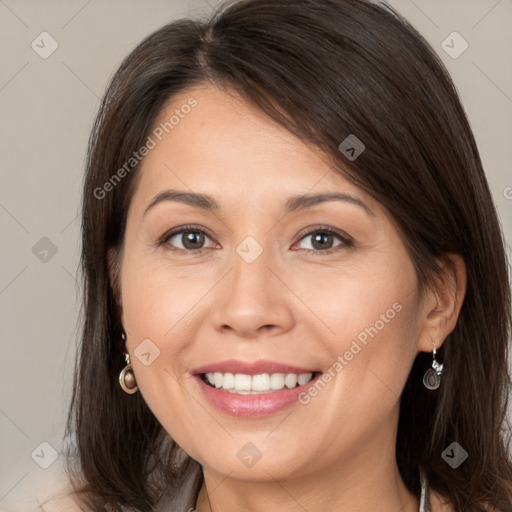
(323, 69)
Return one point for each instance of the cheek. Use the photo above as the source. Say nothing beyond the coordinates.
(157, 301)
(158, 306)
(363, 302)
(369, 320)
(161, 307)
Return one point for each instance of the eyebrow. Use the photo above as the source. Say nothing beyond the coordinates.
(293, 204)
(303, 202)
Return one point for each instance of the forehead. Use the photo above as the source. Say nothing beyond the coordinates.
(225, 147)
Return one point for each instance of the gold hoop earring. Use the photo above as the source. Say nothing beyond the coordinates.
(127, 377)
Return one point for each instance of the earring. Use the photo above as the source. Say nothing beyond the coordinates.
(432, 377)
(127, 377)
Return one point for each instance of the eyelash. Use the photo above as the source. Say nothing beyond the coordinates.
(346, 241)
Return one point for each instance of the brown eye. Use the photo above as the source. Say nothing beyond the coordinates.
(323, 240)
(185, 239)
(192, 239)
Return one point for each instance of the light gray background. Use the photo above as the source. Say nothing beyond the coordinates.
(48, 106)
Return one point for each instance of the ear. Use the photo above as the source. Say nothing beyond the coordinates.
(114, 264)
(442, 303)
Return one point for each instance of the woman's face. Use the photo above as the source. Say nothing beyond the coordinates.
(257, 280)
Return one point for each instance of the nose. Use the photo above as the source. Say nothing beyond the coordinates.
(252, 300)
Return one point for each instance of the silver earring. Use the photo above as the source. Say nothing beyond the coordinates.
(432, 377)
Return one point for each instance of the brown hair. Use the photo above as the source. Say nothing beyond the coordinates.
(323, 69)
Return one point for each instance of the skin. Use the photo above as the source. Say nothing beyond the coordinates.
(292, 305)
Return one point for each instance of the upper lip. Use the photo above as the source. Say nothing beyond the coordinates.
(250, 368)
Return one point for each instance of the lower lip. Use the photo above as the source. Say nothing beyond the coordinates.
(253, 406)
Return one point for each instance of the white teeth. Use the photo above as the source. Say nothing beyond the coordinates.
(247, 384)
(304, 378)
(277, 381)
(290, 381)
(260, 382)
(229, 381)
(218, 379)
(242, 382)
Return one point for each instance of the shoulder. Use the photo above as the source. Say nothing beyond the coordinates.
(56, 495)
(41, 490)
(55, 492)
(60, 500)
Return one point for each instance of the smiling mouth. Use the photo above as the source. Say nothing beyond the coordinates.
(244, 384)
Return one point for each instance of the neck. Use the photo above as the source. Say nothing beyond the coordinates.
(365, 479)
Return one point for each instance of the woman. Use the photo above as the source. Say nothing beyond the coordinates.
(295, 281)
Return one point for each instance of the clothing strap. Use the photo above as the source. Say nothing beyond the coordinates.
(424, 490)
